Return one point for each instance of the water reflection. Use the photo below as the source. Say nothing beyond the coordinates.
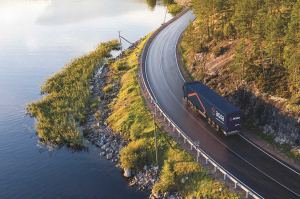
(151, 3)
(69, 11)
(38, 37)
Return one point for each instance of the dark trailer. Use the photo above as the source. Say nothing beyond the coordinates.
(219, 112)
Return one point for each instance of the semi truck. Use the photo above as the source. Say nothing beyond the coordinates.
(220, 114)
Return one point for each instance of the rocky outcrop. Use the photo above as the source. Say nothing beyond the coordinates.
(146, 178)
(264, 111)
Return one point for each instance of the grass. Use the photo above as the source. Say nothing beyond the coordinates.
(134, 121)
(67, 98)
(129, 115)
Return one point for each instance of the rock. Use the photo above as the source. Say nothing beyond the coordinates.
(98, 144)
(108, 150)
(172, 197)
(182, 180)
(155, 195)
(127, 173)
(296, 150)
(102, 153)
(166, 195)
(281, 139)
(104, 147)
(109, 156)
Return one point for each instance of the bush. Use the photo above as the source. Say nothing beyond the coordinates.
(174, 9)
(134, 155)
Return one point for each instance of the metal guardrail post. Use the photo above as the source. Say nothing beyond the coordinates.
(148, 94)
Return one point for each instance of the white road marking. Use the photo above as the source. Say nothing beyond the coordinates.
(271, 156)
(214, 135)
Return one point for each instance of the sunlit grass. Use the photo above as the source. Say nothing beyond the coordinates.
(131, 117)
(67, 98)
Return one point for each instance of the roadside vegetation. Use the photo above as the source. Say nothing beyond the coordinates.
(131, 117)
(266, 37)
(241, 47)
(66, 99)
(172, 6)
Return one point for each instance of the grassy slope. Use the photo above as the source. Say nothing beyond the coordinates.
(131, 117)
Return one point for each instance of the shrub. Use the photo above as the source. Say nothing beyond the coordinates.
(174, 8)
(134, 155)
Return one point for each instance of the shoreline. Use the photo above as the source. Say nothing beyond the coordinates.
(147, 178)
(111, 143)
(120, 124)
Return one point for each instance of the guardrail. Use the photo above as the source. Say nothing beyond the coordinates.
(208, 160)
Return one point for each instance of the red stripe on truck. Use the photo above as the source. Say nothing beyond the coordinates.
(196, 94)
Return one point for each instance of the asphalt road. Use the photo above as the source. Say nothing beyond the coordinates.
(259, 171)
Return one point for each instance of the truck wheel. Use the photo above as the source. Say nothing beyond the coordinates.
(213, 124)
(218, 128)
(185, 99)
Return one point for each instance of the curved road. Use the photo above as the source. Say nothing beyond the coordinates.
(264, 174)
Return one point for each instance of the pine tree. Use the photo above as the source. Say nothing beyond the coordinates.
(292, 52)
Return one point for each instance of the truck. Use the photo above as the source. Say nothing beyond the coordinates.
(220, 114)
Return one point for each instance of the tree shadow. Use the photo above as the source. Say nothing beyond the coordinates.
(284, 128)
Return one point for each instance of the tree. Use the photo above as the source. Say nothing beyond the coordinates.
(292, 51)
(151, 3)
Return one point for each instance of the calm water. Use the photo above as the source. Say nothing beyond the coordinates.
(37, 37)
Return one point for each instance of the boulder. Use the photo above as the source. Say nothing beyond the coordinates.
(109, 156)
(127, 173)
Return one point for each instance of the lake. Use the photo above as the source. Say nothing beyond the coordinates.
(37, 38)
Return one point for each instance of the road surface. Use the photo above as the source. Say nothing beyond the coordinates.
(261, 172)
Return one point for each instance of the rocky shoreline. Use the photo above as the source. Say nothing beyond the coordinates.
(110, 143)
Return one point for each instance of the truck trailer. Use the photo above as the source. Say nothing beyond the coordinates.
(219, 113)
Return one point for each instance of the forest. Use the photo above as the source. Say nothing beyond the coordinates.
(266, 38)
